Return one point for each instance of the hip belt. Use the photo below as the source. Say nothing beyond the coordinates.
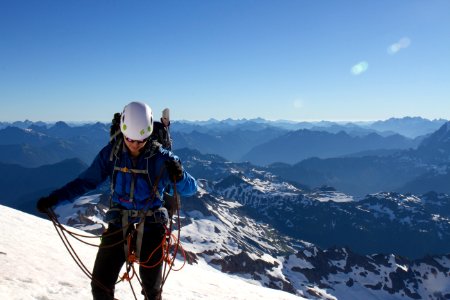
(116, 215)
(127, 217)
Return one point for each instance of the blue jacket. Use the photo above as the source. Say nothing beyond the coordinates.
(117, 164)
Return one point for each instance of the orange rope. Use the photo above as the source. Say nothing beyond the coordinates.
(161, 245)
(126, 276)
(183, 254)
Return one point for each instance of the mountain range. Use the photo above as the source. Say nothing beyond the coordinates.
(355, 164)
(295, 227)
(264, 142)
(302, 144)
(411, 127)
(40, 145)
(414, 170)
(259, 141)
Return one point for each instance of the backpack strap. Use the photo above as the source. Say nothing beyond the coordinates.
(133, 172)
(150, 151)
(118, 141)
(114, 136)
(117, 146)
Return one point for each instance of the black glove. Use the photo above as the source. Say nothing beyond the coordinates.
(45, 203)
(174, 169)
(115, 124)
(172, 203)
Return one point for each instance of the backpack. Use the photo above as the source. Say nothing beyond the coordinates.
(114, 129)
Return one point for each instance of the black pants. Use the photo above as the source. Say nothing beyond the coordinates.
(110, 260)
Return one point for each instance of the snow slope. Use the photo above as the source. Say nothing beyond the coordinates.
(35, 265)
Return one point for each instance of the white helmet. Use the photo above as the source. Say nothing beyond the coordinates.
(136, 121)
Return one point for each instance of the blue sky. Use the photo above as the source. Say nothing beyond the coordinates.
(298, 60)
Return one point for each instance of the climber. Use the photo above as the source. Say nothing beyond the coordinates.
(139, 170)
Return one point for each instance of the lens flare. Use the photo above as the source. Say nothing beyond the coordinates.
(360, 68)
(298, 104)
(403, 43)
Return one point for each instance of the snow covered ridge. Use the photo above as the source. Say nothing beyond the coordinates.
(35, 265)
(378, 223)
(352, 276)
(239, 245)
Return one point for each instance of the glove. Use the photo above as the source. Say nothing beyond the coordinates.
(172, 203)
(115, 125)
(45, 203)
(174, 169)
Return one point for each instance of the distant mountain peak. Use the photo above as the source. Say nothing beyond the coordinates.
(447, 126)
(61, 124)
(439, 138)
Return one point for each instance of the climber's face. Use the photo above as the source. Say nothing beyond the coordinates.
(134, 146)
